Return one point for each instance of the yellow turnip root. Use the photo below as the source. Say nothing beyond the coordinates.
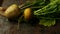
(27, 13)
(12, 11)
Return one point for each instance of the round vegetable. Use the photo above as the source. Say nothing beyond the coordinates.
(27, 13)
(12, 11)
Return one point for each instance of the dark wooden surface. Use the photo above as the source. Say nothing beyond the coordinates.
(25, 28)
(1, 1)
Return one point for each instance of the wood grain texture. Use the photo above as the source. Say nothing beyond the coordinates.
(7, 3)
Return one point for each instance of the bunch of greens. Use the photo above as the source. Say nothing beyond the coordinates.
(47, 11)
